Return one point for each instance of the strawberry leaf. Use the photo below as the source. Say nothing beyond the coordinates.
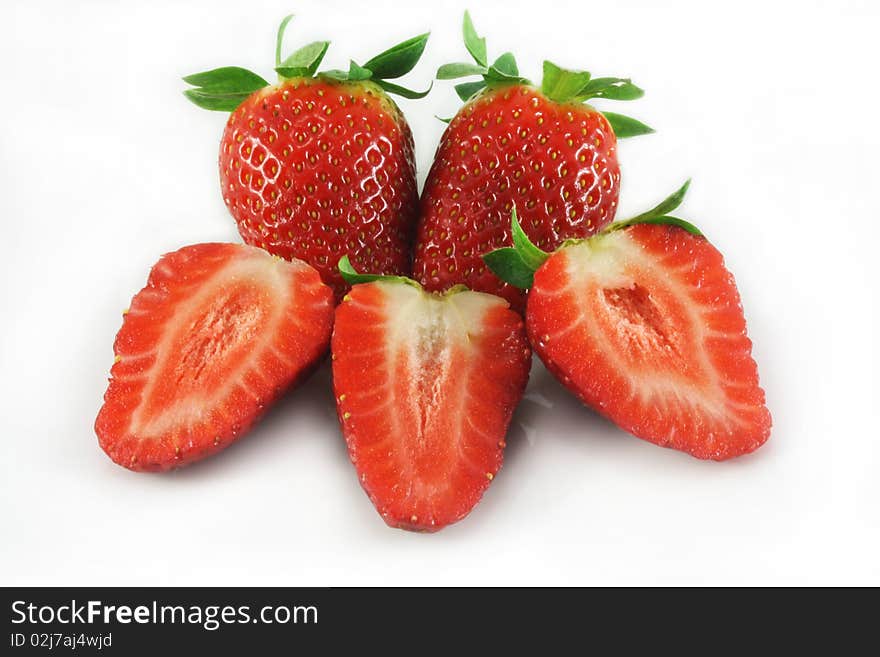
(215, 102)
(280, 38)
(561, 85)
(665, 220)
(505, 71)
(459, 70)
(531, 255)
(625, 126)
(358, 73)
(467, 89)
(666, 206)
(222, 89)
(659, 214)
(398, 60)
(403, 91)
(305, 61)
(507, 265)
(226, 79)
(475, 44)
(352, 277)
(517, 264)
(612, 89)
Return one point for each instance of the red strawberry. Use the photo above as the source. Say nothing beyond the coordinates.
(644, 323)
(542, 150)
(315, 167)
(217, 334)
(425, 387)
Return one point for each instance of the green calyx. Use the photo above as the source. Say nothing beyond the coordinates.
(517, 264)
(500, 72)
(393, 63)
(558, 84)
(224, 89)
(659, 214)
(352, 277)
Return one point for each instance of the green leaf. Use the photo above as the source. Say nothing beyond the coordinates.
(334, 74)
(453, 71)
(227, 79)
(216, 102)
(665, 220)
(305, 61)
(475, 45)
(505, 71)
(446, 121)
(516, 265)
(505, 66)
(280, 38)
(403, 91)
(398, 60)
(625, 126)
(222, 89)
(357, 73)
(467, 89)
(612, 89)
(352, 277)
(531, 255)
(562, 85)
(666, 206)
(507, 265)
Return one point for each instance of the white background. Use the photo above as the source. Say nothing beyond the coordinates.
(104, 166)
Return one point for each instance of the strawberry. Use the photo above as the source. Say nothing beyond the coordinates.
(644, 323)
(425, 387)
(320, 164)
(219, 331)
(542, 150)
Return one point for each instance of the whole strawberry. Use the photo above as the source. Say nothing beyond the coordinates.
(319, 165)
(512, 144)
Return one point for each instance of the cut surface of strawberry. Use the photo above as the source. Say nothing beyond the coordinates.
(646, 326)
(426, 385)
(644, 323)
(219, 331)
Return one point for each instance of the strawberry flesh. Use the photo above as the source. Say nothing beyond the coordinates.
(645, 325)
(425, 387)
(219, 331)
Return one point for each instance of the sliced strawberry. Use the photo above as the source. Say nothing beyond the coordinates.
(426, 385)
(645, 325)
(219, 331)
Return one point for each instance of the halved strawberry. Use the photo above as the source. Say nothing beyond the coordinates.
(644, 323)
(425, 387)
(217, 334)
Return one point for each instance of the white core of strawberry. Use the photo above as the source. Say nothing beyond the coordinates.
(207, 328)
(434, 337)
(621, 274)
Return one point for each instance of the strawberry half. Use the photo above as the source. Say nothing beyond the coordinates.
(644, 323)
(541, 149)
(219, 331)
(319, 165)
(425, 387)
